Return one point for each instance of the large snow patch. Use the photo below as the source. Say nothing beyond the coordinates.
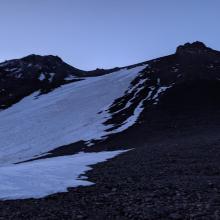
(66, 115)
(40, 178)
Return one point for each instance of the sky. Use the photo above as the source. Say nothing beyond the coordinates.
(90, 34)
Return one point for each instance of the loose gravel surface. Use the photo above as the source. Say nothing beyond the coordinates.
(172, 175)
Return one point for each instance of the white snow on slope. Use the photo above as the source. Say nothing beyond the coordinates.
(71, 77)
(132, 119)
(158, 92)
(66, 115)
(51, 76)
(40, 178)
(42, 77)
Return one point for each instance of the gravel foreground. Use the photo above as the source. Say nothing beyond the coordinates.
(173, 175)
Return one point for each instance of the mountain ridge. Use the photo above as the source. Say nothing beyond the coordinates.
(21, 77)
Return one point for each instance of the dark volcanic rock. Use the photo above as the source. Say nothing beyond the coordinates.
(191, 76)
(21, 77)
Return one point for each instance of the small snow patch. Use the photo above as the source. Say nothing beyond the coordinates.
(51, 76)
(42, 77)
(70, 77)
(158, 92)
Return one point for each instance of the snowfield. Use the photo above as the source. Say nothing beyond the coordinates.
(38, 124)
(40, 178)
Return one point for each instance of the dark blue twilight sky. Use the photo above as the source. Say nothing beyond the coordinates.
(105, 33)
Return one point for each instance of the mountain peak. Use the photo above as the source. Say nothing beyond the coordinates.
(33, 58)
(195, 47)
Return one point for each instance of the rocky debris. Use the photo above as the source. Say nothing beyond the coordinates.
(161, 183)
(173, 173)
